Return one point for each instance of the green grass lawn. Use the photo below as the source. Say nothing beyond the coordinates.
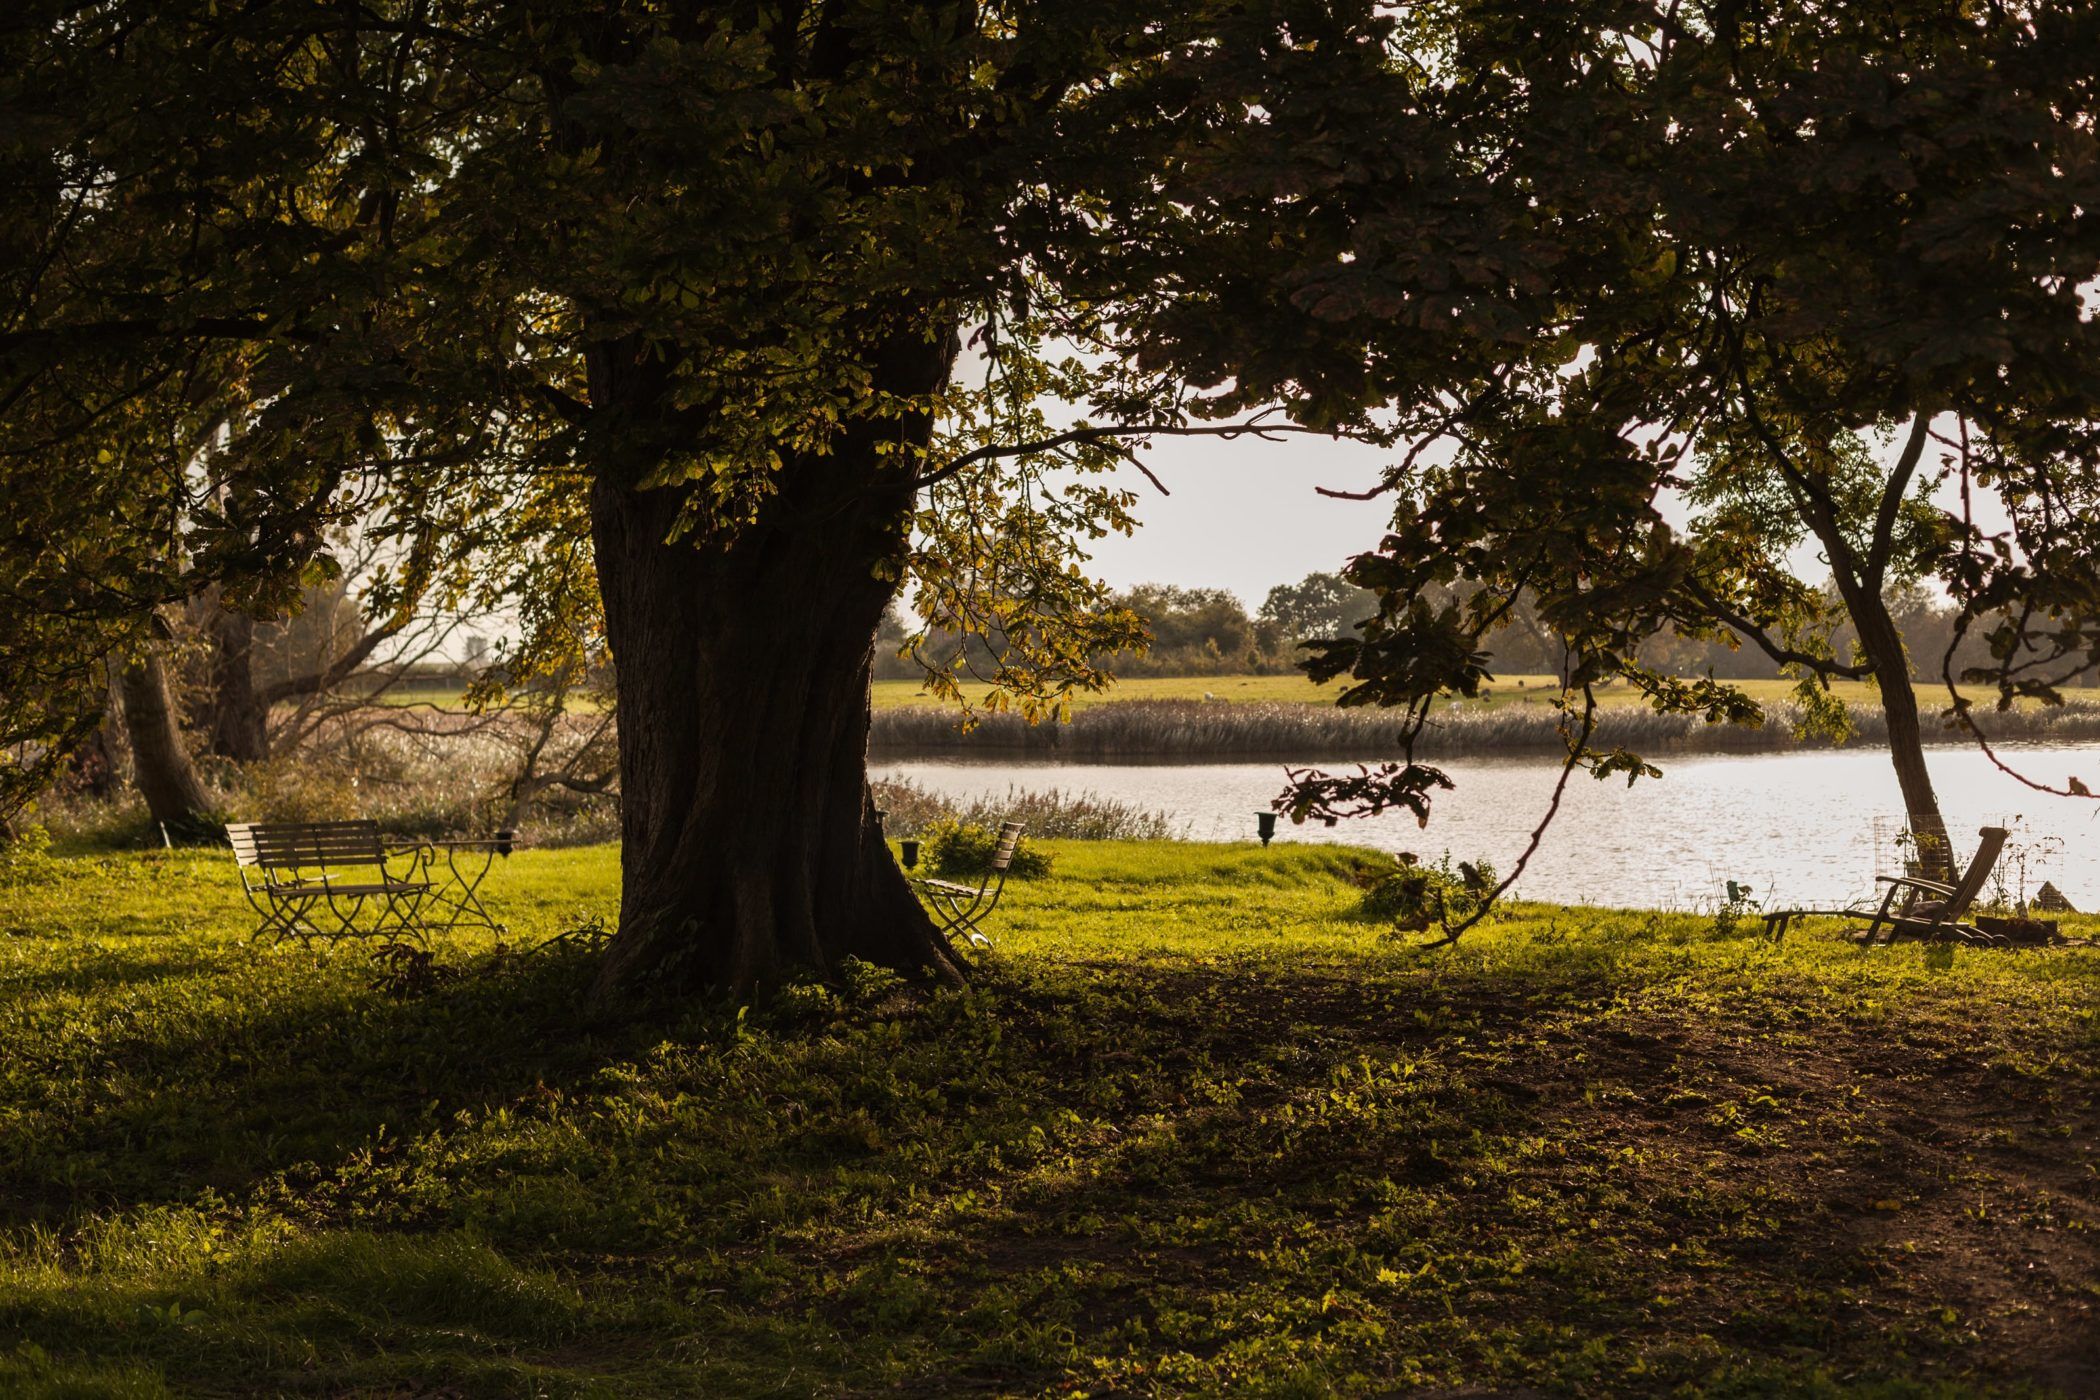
(1198, 1131)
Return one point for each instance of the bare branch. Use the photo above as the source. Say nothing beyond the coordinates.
(1784, 655)
(1074, 436)
(337, 671)
(1577, 749)
(1892, 502)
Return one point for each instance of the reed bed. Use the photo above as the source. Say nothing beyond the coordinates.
(1210, 729)
(910, 809)
(449, 775)
(444, 775)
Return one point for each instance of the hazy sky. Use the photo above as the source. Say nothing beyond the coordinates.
(1244, 515)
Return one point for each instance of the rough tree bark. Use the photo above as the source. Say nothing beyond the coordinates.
(750, 842)
(103, 764)
(166, 778)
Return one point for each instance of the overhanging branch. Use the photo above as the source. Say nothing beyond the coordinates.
(1253, 427)
(1784, 655)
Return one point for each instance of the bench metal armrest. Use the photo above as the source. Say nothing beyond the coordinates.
(420, 855)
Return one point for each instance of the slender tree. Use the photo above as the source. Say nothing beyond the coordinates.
(1798, 272)
(167, 779)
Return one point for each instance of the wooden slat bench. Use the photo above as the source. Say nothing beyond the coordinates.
(327, 880)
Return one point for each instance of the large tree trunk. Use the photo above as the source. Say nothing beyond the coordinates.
(1883, 645)
(166, 778)
(750, 843)
(239, 719)
(741, 652)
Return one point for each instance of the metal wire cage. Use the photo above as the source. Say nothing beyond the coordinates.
(2027, 862)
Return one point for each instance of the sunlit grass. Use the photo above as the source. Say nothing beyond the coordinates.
(1200, 1130)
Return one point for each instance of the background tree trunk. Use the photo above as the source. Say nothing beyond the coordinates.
(1883, 645)
(103, 764)
(239, 718)
(175, 795)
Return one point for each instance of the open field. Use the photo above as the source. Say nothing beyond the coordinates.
(1286, 689)
(1298, 689)
(1199, 1130)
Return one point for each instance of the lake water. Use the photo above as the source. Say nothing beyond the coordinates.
(1798, 828)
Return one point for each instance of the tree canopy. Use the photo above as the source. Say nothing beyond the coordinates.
(676, 312)
(658, 307)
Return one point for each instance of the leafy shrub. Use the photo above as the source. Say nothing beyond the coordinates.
(963, 850)
(803, 1003)
(402, 970)
(865, 983)
(1735, 907)
(1413, 896)
(585, 930)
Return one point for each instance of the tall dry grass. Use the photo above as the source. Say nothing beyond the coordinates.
(450, 776)
(909, 808)
(438, 776)
(447, 776)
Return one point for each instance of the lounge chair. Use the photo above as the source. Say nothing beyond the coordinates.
(958, 908)
(1929, 909)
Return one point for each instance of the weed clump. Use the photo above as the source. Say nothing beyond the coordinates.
(911, 809)
(1413, 896)
(26, 860)
(963, 850)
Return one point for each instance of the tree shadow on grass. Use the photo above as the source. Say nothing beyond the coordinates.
(1372, 1173)
(1492, 1188)
(143, 1103)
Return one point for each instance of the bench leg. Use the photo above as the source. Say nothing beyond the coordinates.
(402, 915)
(270, 921)
(1882, 916)
(297, 921)
(957, 918)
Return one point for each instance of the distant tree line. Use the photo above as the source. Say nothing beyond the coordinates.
(1210, 632)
